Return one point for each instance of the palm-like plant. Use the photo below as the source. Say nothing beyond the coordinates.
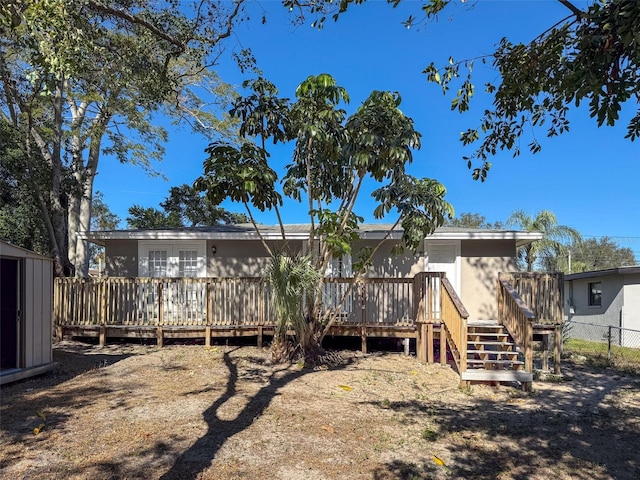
(291, 280)
(553, 243)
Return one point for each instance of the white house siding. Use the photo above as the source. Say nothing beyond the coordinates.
(631, 310)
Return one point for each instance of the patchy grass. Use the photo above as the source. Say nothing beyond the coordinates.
(624, 359)
(226, 413)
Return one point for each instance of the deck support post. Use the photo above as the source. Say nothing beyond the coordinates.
(421, 342)
(207, 336)
(557, 344)
(443, 345)
(363, 338)
(430, 343)
(545, 352)
(159, 336)
(260, 336)
(103, 335)
(406, 342)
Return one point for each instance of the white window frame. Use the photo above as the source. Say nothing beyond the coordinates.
(173, 255)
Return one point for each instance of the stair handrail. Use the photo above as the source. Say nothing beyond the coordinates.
(454, 318)
(518, 319)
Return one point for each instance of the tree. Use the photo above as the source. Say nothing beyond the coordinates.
(591, 56)
(291, 279)
(599, 254)
(101, 219)
(333, 155)
(184, 207)
(20, 220)
(473, 220)
(80, 79)
(553, 245)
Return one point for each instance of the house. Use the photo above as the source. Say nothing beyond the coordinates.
(448, 296)
(470, 258)
(26, 298)
(606, 298)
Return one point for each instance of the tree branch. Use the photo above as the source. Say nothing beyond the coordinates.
(137, 21)
(575, 10)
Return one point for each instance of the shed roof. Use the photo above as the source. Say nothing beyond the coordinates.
(9, 250)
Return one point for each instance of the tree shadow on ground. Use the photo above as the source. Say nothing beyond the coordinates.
(199, 456)
(576, 428)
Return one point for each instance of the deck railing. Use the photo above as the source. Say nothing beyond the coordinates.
(543, 293)
(514, 314)
(115, 301)
(454, 318)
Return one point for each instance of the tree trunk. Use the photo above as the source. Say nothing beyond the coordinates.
(84, 175)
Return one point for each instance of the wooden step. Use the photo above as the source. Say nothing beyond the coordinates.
(480, 375)
(492, 352)
(487, 328)
(480, 361)
(490, 342)
(487, 334)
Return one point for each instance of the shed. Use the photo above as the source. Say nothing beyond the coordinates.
(26, 299)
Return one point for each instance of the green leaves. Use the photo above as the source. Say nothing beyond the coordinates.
(420, 204)
(555, 237)
(240, 174)
(332, 157)
(592, 56)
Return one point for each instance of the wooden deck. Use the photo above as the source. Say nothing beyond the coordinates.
(212, 308)
(424, 308)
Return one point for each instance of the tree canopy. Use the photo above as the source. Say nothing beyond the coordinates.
(599, 254)
(20, 219)
(473, 220)
(554, 244)
(184, 207)
(591, 56)
(333, 155)
(82, 79)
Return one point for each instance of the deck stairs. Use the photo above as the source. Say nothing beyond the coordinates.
(492, 355)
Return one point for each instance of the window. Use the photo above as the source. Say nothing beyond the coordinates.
(595, 294)
(157, 263)
(188, 263)
(171, 260)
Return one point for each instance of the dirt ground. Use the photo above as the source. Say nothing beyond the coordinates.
(190, 412)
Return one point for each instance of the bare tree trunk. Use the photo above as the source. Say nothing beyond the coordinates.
(80, 201)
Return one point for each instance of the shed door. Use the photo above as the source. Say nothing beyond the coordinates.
(9, 313)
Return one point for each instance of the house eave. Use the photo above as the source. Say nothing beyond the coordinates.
(603, 273)
(367, 232)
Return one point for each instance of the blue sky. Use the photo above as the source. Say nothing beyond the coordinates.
(589, 177)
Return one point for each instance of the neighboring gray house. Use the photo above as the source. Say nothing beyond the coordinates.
(470, 258)
(605, 298)
(26, 297)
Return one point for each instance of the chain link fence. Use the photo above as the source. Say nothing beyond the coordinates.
(620, 346)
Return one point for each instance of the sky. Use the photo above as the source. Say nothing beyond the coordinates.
(590, 177)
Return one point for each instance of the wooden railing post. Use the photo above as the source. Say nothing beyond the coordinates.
(363, 318)
(444, 335)
(528, 353)
(419, 316)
